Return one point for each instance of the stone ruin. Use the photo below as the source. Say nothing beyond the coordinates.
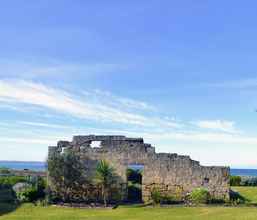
(172, 174)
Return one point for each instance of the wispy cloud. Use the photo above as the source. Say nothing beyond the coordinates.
(219, 125)
(44, 125)
(20, 140)
(35, 94)
(117, 101)
(206, 137)
(235, 84)
(54, 69)
(82, 106)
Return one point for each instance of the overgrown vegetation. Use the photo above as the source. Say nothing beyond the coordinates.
(22, 189)
(156, 196)
(33, 191)
(163, 198)
(12, 180)
(235, 180)
(200, 196)
(69, 182)
(66, 176)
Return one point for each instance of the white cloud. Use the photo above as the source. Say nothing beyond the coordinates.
(221, 125)
(35, 94)
(40, 124)
(117, 101)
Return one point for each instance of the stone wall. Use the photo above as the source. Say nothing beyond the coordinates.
(171, 173)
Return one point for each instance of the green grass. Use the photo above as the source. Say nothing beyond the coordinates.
(31, 212)
(249, 193)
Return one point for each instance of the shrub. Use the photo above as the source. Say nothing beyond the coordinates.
(235, 180)
(199, 196)
(19, 187)
(171, 199)
(31, 192)
(11, 180)
(65, 172)
(28, 195)
(156, 196)
(5, 171)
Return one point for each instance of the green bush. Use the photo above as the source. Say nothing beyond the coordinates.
(11, 180)
(5, 171)
(28, 195)
(235, 180)
(156, 196)
(171, 199)
(199, 196)
(32, 191)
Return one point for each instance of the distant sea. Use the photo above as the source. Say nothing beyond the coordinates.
(41, 166)
(243, 172)
(21, 165)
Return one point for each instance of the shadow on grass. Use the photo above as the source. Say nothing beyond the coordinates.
(238, 198)
(6, 208)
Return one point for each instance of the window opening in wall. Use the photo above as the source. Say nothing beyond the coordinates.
(95, 144)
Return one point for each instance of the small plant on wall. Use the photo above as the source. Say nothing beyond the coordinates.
(156, 196)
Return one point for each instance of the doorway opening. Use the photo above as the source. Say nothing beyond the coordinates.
(134, 179)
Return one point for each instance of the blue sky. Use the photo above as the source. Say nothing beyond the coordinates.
(181, 74)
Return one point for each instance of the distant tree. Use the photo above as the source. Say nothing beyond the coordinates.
(65, 173)
(72, 173)
(104, 177)
(55, 165)
(235, 180)
(5, 171)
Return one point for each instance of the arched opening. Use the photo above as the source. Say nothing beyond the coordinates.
(134, 179)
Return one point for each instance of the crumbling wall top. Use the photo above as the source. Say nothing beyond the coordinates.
(80, 139)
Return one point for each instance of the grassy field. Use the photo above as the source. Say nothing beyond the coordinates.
(249, 193)
(31, 212)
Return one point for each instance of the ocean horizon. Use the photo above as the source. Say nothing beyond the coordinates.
(41, 166)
